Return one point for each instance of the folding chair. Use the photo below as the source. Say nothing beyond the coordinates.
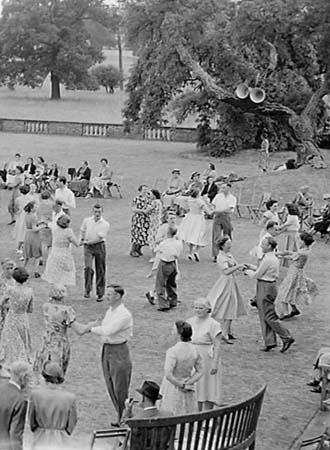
(260, 208)
(119, 436)
(115, 182)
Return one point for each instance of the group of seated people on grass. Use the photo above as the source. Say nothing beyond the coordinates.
(17, 173)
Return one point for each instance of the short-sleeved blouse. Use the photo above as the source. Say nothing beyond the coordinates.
(271, 216)
(225, 261)
(292, 223)
(196, 205)
(204, 331)
(62, 236)
(299, 259)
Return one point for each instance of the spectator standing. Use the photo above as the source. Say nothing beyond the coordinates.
(6, 281)
(52, 412)
(93, 234)
(65, 195)
(13, 407)
(114, 331)
(264, 153)
(224, 205)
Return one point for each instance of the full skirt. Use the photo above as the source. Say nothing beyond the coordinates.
(296, 288)
(208, 388)
(49, 439)
(225, 299)
(55, 347)
(32, 244)
(60, 267)
(192, 229)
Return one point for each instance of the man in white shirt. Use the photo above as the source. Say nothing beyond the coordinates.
(65, 195)
(224, 205)
(166, 287)
(93, 234)
(115, 330)
(266, 275)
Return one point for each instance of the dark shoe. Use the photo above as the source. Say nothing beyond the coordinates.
(214, 259)
(316, 390)
(163, 309)
(12, 222)
(224, 339)
(313, 383)
(268, 348)
(115, 424)
(295, 312)
(37, 275)
(286, 345)
(231, 336)
(173, 306)
(99, 299)
(135, 254)
(196, 255)
(87, 295)
(150, 298)
(253, 303)
(41, 263)
(190, 257)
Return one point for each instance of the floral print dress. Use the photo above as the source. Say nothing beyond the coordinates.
(55, 343)
(140, 222)
(15, 340)
(5, 283)
(155, 222)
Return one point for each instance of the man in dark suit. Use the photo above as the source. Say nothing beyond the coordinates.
(210, 188)
(13, 407)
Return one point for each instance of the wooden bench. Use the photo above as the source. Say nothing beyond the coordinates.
(231, 427)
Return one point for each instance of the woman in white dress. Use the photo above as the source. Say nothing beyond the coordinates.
(225, 297)
(19, 229)
(207, 338)
(60, 267)
(192, 228)
(183, 368)
(271, 214)
(290, 230)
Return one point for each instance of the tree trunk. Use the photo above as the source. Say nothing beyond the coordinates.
(301, 127)
(55, 87)
(120, 61)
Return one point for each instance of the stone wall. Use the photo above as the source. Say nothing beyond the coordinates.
(105, 130)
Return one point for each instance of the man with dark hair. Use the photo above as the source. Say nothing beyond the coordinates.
(267, 274)
(65, 195)
(13, 406)
(93, 234)
(169, 251)
(115, 330)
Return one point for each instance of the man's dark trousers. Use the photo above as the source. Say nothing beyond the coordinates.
(95, 252)
(166, 287)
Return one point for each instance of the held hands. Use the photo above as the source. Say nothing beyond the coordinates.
(214, 371)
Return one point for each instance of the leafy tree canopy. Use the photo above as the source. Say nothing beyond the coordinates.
(187, 46)
(107, 76)
(38, 37)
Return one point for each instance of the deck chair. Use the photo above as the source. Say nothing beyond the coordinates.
(115, 438)
(115, 183)
(260, 208)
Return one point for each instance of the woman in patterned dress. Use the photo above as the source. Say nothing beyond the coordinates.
(183, 368)
(55, 342)
(207, 338)
(290, 230)
(155, 218)
(15, 340)
(225, 297)
(32, 243)
(296, 288)
(140, 221)
(6, 281)
(60, 268)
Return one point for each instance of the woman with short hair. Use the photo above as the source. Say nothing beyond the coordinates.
(32, 242)
(207, 339)
(60, 267)
(100, 183)
(225, 297)
(290, 229)
(15, 341)
(140, 220)
(183, 368)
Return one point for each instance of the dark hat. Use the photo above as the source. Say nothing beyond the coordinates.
(150, 389)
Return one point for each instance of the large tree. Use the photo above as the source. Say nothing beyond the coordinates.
(198, 52)
(41, 37)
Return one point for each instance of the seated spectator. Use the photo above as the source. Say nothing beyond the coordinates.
(290, 164)
(323, 223)
(210, 188)
(304, 201)
(79, 185)
(174, 188)
(17, 161)
(209, 171)
(100, 183)
(150, 395)
(30, 168)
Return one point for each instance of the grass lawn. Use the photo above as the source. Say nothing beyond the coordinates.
(27, 103)
(288, 402)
